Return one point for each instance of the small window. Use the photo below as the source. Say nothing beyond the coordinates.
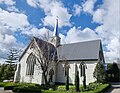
(31, 60)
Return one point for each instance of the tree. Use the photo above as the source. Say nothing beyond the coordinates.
(99, 73)
(77, 81)
(13, 56)
(113, 72)
(66, 66)
(46, 55)
(2, 68)
(7, 71)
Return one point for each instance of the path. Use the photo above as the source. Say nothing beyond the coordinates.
(6, 91)
(115, 88)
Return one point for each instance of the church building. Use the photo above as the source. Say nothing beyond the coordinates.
(72, 55)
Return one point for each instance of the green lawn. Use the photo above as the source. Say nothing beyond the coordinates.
(92, 88)
(100, 88)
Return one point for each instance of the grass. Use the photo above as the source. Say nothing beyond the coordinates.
(2, 84)
(91, 88)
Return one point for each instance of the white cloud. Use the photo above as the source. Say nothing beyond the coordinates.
(77, 9)
(12, 9)
(10, 22)
(8, 2)
(9, 39)
(52, 9)
(76, 35)
(12, 19)
(113, 54)
(6, 43)
(32, 3)
(108, 14)
(88, 6)
(41, 33)
(98, 15)
(110, 28)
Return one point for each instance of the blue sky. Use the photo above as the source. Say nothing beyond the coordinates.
(79, 20)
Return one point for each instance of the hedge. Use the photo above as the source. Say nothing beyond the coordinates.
(11, 86)
(21, 89)
(2, 84)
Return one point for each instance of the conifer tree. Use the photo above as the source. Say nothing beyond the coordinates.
(13, 56)
(77, 82)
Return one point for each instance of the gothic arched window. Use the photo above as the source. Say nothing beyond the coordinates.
(31, 60)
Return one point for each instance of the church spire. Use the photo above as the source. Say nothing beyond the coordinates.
(56, 38)
(56, 28)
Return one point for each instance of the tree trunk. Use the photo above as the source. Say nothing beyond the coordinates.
(67, 83)
(45, 78)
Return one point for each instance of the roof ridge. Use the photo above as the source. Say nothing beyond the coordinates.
(82, 42)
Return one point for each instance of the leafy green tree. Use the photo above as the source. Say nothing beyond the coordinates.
(99, 73)
(2, 68)
(7, 71)
(115, 72)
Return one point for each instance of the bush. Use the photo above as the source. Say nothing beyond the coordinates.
(99, 73)
(93, 86)
(2, 84)
(61, 88)
(27, 89)
(71, 88)
(10, 86)
(113, 73)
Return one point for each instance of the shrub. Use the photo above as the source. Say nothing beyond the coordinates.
(93, 86)
(71, 88)
(61, 88)
(2, 84)
(10, 86)
(27, 89)
(99, 73)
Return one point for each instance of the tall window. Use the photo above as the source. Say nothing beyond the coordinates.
(31, 60)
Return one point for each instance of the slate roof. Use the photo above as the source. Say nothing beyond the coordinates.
(88, 50)
(43, 45)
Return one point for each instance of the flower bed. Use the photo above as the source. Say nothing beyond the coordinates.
(91, 88)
